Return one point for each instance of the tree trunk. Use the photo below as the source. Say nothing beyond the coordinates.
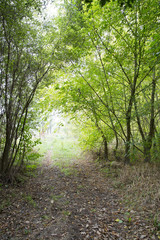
(147, 151)
(7, 148)
(148, 143)
(115, 149)
(128, 136)
(105, 149)
(5, 157)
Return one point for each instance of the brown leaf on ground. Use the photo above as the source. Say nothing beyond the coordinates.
(56, 206)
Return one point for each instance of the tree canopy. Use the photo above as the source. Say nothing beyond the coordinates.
(114, 71)
(99, 64)
(23, 65)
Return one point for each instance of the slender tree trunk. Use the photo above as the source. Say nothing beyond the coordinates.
(7, 146)
(147, 151)
(148, 143)
(116, 148)
(5, 156)
(105, 148)
(128, 127)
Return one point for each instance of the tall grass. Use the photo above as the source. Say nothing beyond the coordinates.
(62, 147)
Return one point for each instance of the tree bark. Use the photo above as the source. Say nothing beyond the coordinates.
(148, 143)
(105, 148)
(128, 126)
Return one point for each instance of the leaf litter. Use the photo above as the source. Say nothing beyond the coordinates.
(78, 206)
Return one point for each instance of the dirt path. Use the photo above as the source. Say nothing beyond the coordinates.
(75, 205)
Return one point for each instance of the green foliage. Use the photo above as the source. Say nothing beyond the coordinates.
(157, 222)
(45, 217)
(56, 197)
(110, 73)
(66, 213)
(28, 198)
(128, 217)
(106, 171)
(68, 171)
(23, 67)
(103, 63)
(33, 156)
(62, 144)
(4, 204)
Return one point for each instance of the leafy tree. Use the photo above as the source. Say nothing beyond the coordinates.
(23, 65)
(115, 62)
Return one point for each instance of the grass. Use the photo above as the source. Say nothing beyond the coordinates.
(141, 183)
(5, 203)
(46, 217)
(80, 187)
(29, 170)
(60, 147)
(28, 198)
(157, 222)
(68, 171)
(66, 213)
(56, 197)
(139, 186)
(64, 150)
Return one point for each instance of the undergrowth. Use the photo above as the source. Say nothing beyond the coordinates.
(139, 187)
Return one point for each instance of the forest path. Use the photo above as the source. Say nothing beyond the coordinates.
(75, 203)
